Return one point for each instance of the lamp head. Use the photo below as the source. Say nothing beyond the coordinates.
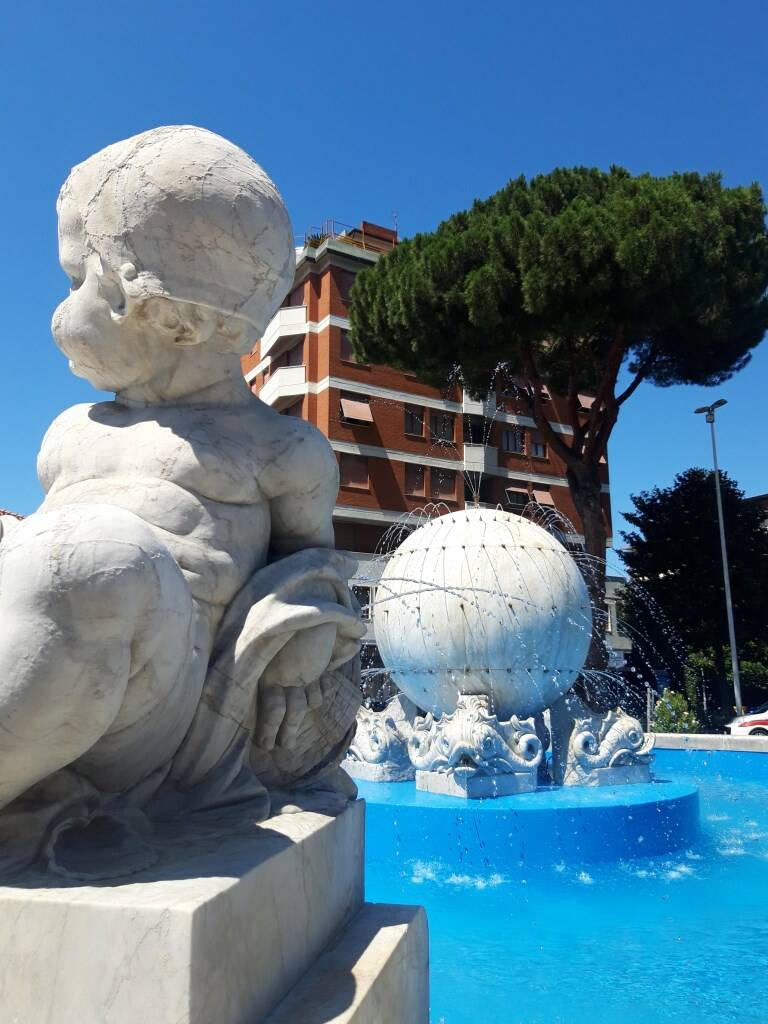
(710, 409)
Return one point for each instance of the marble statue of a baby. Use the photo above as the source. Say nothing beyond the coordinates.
(176, 630)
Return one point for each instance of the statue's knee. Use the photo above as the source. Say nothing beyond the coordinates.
(91, 562)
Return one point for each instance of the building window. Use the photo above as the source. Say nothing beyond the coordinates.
(363, 598)
(344, 281)
(513, 440)
(482, 490)
(609, 619)
(441, 426)
(414, 420)
(517, 499)
(293, 410)
(414, 479)
(353, 471)
(344, 536)
(443, 484)
(295, 355)
(355, 409)
(346, 348)
(296, 297)
(278, 362)
(475, 430)
(538, 446)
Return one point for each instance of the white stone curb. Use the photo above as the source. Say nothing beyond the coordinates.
(710, 741)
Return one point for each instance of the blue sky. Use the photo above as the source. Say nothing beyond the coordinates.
(374, 110)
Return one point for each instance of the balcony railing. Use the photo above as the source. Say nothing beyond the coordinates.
(333, 229)
(476, 407)
(287, 322)
(480, 458)
(284, 386)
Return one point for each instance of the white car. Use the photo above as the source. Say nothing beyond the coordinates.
(753, 724)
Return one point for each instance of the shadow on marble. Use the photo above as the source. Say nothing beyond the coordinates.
(376, 971)
(210, 844)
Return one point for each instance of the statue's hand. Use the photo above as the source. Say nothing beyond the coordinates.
(290, 686)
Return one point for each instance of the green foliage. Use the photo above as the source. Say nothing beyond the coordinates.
(674, 555)
(702, 672)
(673, 714)
(753, 670)
(552, 272)
(567, 278)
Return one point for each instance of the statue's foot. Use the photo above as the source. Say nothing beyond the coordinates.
(99, 848)
(329, 793)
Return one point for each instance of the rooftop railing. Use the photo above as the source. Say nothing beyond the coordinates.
(336, 230)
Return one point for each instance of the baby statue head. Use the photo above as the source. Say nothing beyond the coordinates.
(172, 239)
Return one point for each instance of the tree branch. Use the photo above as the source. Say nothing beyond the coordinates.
(565, 452)
(579, 428)
(605, 405)
(600, 445)
(640, 376)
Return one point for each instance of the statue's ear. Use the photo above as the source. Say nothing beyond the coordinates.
(192, 329)
(112, 286)
(183, 324)
(233, 335)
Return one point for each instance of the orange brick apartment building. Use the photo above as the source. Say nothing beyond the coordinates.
(400, 444)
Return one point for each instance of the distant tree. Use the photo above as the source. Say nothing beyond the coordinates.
(566, 279)
(673, 558)
(703, 671)
(672, 714)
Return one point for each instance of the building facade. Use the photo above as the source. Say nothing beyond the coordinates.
(400, 444)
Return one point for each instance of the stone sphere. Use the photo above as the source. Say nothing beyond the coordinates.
(483, 601)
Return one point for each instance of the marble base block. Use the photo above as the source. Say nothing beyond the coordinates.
(473, 785)
(620, 775)
(375, 973)
(218, 932)
(378, 772)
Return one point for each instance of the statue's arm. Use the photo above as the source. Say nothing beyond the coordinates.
(304, 483)
(62, 447)
(302, 509)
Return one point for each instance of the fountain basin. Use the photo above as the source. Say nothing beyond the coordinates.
(547, 827)
(672, 939)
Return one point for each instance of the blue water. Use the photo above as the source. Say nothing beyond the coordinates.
(550, 826)
(661, 939)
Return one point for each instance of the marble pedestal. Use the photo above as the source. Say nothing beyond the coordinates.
(374, 974)
(474, 785)
(218, 932)
(387, 772)
(619, 775)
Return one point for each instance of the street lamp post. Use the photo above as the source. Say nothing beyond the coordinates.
(710, 417)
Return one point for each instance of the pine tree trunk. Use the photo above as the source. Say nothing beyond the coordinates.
(586, 489)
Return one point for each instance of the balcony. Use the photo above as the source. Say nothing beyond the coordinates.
(284, 387)
(475, 407)
(287, 323)
(480, 458)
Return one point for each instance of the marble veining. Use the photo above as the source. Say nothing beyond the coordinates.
(176, 630)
